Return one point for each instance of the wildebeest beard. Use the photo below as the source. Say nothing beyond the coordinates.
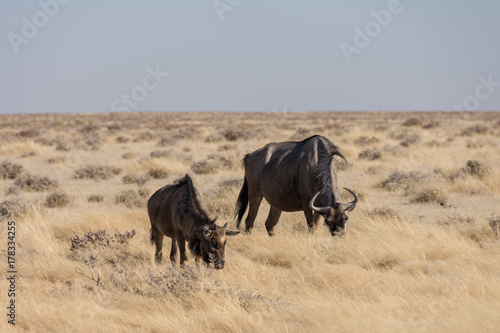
(195, 247)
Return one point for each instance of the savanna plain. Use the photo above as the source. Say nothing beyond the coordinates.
(421, 254)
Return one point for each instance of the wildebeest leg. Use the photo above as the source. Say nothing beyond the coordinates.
(173, 251)
(316, 217)
(181, 241)
(310, 219)
(158, 239)
(272, 220)
(254, 203)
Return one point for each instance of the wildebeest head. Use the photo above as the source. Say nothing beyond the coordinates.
(335, 216)
(213, 244)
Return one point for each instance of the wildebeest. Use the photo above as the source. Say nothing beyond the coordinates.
(177, 211)
(294, 176)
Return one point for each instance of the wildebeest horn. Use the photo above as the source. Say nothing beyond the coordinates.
(321, 210)
(350, 205)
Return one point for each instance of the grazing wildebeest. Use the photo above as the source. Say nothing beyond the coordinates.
(294, 176)
(177, 211)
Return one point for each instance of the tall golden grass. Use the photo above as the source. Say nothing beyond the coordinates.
(422, 251)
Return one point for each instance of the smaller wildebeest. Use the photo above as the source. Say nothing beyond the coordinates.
(177, 211)
(294, 176)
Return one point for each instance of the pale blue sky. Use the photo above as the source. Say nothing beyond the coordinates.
(264, 56)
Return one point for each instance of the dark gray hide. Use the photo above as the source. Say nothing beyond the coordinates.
(177, 211)
(294, 176)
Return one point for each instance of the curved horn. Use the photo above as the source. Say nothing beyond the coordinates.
(350, 205)
(320, 210)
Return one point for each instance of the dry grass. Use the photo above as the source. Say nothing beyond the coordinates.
(421, 252)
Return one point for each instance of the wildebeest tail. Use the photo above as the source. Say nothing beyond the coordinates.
(242, 203)
(151, 236)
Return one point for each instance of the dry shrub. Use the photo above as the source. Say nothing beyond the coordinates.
(12, 209)
(129, 198)
(62, 143)
(233, 135)
(214, 137)
(57, 200)
(135, 179)
(160, 153)
(32, 183)
(10, 170)
(370, 154)
(412, 122)
(158, 173)
(494, 223)
(409, 139)
(204, 167)
(401, 180)
(143, 192)
(96, 172)
(100, 238)
(301, 134)
(430, 195)
(475, 168)
(227, 147)
(95, 198)
(457, 219)
(28, 154)
(432, 124)
(31, 133)
(122, 139)
(129, 156)
(366, 140)
(57, 159)
(93, 140)
(166, 141)
(145, 136)
(475, 129)
(385, 213)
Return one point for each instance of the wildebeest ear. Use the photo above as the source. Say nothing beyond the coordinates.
(230, 233)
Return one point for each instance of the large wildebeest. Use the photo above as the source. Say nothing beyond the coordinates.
(177, 211)
(294, 176)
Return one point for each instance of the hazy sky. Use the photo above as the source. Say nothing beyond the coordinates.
(242, 55)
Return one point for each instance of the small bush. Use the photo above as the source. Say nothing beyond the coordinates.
(129, 156)
(158, 173)
(32, 183)
(160, 153)
(100, 238)
(233, 135)
(370, 154)
(412, 122)
(384, 213)
(398, 180)
(475, 168)
(145, 136)
(476, 129)
(57, 200)
(365, 140)
(166, 141)
(409, 140)
(11, 209)
(122, 139)
(430, 195)
(204, 167)
(10, 170)
(31, 133)
(494, 222)
(432, 124)
(96, 172)
(135, 179)
(95, 198)
(129, 198)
